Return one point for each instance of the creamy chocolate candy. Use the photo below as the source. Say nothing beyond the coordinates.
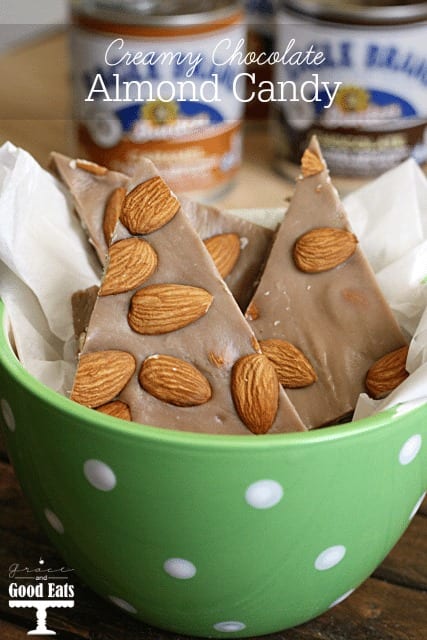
(228, 235)
(319, 295)
(82, 304)
(166, 339)
(239, 248)
(92, 189)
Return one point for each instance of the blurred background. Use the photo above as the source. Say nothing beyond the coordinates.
(378, 118)
(27, 19)
(36, 105)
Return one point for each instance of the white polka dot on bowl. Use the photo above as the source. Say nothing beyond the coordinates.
(330, 557)
(341, 598)
(122, 604)
(179, 568)
(229, 626)
(7, 414)
(54, 521)
(417, 505)
(410, 449)
(264, 494)
(99, 475)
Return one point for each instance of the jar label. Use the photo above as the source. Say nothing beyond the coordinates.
(379, 113)
(165, 96)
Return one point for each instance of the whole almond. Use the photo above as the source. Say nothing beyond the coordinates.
(323, 248)
(225, 251)
(387, 373)
(255, 392)
(130, 263)
(174, 381)
(101, 376)
(292, 367)
(161, 308)
(311, 164)
(149, 206)
(117, 409)
(91, 167)
(112, 213)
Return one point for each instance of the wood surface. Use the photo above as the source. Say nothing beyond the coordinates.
(391, 605)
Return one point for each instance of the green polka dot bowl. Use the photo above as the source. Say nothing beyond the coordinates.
(209, 535)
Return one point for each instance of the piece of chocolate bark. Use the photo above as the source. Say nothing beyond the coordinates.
(82, 304)
(318, 305)
(239, 248)
(97, 196)
(167, 340)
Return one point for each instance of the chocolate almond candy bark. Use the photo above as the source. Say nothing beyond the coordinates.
(166, 338)
(318, 312)
(238, 247)
(97, 195)
(82, 304)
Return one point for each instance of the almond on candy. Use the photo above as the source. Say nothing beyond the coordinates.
(225, 251)
(163, 308)
(387, 373)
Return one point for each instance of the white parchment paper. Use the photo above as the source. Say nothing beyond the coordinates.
(45, 258)
(389, 216)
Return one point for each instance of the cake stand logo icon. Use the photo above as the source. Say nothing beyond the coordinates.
(40, 588)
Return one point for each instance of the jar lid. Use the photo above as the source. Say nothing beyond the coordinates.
(158, 12)
(358, 12)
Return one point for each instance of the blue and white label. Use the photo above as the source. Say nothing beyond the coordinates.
(383, 90)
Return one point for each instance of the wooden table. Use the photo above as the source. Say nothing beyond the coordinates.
(391, 605)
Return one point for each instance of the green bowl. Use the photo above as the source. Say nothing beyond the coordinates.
(213, 535)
